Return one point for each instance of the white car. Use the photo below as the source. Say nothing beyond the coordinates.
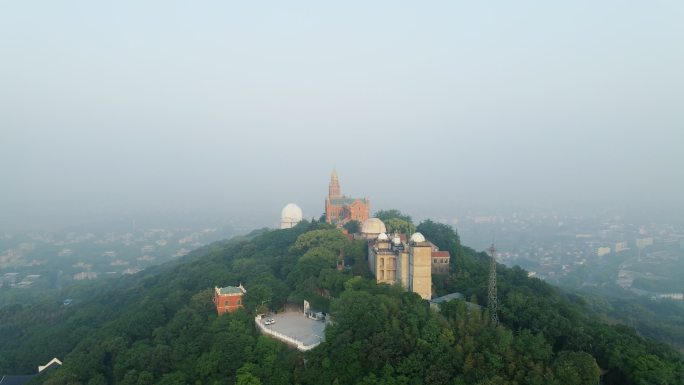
(269, 321)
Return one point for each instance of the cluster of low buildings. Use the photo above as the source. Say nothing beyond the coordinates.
(406, 259)
(411, 263)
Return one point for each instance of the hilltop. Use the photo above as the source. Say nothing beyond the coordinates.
(159, 326)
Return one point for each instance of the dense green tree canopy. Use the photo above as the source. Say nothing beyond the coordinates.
(159, 326)
(353, 226)
(386, 215)
(396, 225)
(331, 239)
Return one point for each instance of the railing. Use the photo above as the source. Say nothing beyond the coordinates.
(293, 341)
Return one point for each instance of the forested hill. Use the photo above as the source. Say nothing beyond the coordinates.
(159, 327)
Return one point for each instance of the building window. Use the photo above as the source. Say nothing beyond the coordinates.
(227, 302)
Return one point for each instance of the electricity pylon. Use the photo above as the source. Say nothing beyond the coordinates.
(492, 304)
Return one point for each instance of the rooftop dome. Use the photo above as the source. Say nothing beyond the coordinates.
(396, 240)
(382, 237)
(373, 226)
(290, 216)
(417, 238)
(291, 211)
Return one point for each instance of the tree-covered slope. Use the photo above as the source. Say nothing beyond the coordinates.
(160, 327)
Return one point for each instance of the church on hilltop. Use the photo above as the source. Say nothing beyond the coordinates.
(340, 209)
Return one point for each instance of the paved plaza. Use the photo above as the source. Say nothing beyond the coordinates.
(297, 326)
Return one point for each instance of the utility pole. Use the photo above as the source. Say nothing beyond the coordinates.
(492, 304)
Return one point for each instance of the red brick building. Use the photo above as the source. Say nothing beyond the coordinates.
(228, 299)
(340, 209)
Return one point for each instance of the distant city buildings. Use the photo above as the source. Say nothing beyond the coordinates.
(673, 296)
(85, 275)
(644, 242)
(621, 246)
(645, 259)
(25, 258)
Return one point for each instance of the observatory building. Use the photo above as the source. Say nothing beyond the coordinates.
(394, 259)
(371, 228)
(290, 216)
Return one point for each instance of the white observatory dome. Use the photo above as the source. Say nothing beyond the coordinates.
(290, 216)
(382, 237)
(417, 238)
(373, 226)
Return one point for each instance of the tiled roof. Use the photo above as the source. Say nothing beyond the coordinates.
(447, 298)
(345, 201)
(440, 254)
(230, 290)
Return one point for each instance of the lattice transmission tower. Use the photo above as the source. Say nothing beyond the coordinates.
(492, 304)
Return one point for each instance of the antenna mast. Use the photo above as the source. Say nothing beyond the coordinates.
(492, 304)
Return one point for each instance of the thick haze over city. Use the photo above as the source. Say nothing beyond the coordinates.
(232, 110)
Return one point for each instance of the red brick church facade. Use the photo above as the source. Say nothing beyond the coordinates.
(340, 209)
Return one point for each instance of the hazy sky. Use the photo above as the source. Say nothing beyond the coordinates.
(432, 107)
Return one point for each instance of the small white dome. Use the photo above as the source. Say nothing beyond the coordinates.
(290, 216)
(291, 211)
(382, 237)
(417, 238)
(396, 240)
(373, 226)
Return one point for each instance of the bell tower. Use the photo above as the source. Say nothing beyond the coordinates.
(334, 188)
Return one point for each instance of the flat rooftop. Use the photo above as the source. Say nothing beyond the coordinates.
(297, 326)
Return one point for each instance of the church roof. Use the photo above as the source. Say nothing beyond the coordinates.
(344, 201)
